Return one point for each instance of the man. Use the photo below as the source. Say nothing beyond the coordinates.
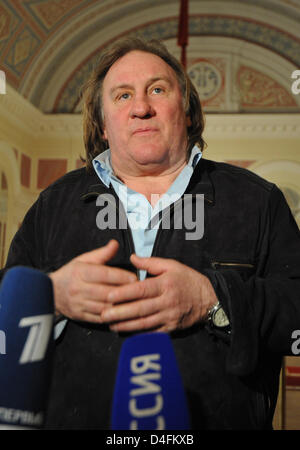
(229, 299)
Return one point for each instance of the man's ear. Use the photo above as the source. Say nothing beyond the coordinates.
(188, 121)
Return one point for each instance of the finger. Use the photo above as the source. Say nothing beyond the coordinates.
(129, 311)
(153, 265)
(90, 311)
(95, 308)
(135, 291)
(96, 292)
(100, 255)
(152, 322)
(93, 273)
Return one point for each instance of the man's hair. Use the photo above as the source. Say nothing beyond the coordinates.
(92, 95)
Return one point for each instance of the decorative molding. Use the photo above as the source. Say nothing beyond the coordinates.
(208, 76)
(259, 90)
(252, 126)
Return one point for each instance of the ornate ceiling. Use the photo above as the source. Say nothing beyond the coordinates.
(241, 53)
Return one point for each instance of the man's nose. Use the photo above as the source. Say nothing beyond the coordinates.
(141, 107)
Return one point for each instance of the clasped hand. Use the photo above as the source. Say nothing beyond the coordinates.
(175, 297)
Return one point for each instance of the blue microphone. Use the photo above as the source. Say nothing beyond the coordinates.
(27, 344)
(149, 393)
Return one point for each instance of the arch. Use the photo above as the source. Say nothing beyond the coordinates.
(70, 62)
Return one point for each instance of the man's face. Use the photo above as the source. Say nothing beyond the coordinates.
(144, 117)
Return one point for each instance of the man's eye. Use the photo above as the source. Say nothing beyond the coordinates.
(157, 90)
(124, 96)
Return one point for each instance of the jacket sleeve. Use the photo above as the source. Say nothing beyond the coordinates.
(25, 246)
(264, 311)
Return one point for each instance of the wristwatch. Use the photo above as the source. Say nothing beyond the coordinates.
(217, 317)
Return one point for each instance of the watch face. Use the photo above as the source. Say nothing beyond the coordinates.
(220, 319)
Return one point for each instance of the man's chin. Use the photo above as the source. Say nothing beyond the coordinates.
(150, 155)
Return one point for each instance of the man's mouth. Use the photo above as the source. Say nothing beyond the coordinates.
(146, 130)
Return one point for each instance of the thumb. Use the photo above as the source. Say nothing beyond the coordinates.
(100, 255)
(153, 265)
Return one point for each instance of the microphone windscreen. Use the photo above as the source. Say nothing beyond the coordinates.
(27, 344)
(149, 393)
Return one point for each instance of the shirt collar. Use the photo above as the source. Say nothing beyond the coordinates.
(104, 170)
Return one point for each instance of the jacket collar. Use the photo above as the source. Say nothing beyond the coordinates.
(93, 191)
(200, 183)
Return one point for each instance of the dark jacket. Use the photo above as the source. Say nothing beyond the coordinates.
(251, 253)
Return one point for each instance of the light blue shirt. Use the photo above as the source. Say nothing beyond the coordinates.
(139, 211)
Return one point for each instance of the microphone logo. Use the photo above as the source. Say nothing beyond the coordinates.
(37, 340)
(147, 375)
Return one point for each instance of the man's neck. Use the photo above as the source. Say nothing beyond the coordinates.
(151, 186)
